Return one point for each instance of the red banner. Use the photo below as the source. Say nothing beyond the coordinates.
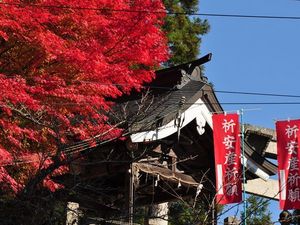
(227, 158)
(288, 163)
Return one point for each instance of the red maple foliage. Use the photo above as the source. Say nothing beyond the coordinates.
(60, 62)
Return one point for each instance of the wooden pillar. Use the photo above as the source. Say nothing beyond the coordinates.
(73, 213)
(158, 214)
(131, 196)
(231, 220)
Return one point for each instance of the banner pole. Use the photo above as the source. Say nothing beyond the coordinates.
(244, 171)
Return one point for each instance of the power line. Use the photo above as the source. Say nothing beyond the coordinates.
(188, 91)
(245, 103)
(158, 12)
(186, 103)
(80, 146)
(156, 87)
(248, 16)
(258, 93)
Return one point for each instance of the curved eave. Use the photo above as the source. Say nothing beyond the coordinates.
(204, 102)
(197, 111)
(254, 163)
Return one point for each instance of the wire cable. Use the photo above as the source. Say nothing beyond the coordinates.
(158, 12)
(157, 87)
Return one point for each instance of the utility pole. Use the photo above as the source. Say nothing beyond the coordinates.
(244, 166)
(131, 196)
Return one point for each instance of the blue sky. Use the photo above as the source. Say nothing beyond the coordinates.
(255, 55)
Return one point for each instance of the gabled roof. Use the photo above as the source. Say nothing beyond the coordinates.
(183, 91)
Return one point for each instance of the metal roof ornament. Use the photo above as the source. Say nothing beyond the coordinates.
(178, 122)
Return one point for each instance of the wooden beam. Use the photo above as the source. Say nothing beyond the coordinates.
(166, 174)
(267, 189)
(271, 150)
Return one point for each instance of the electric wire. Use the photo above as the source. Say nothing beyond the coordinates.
(157, 87)
(86, 144)
(81, 146)
(187, 103)
(211, 103)
(157, 12)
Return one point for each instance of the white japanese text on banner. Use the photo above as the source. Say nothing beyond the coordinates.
(288, 163)
(227, 158)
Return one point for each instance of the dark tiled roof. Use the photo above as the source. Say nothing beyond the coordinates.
(164, 108)
(159, 102)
